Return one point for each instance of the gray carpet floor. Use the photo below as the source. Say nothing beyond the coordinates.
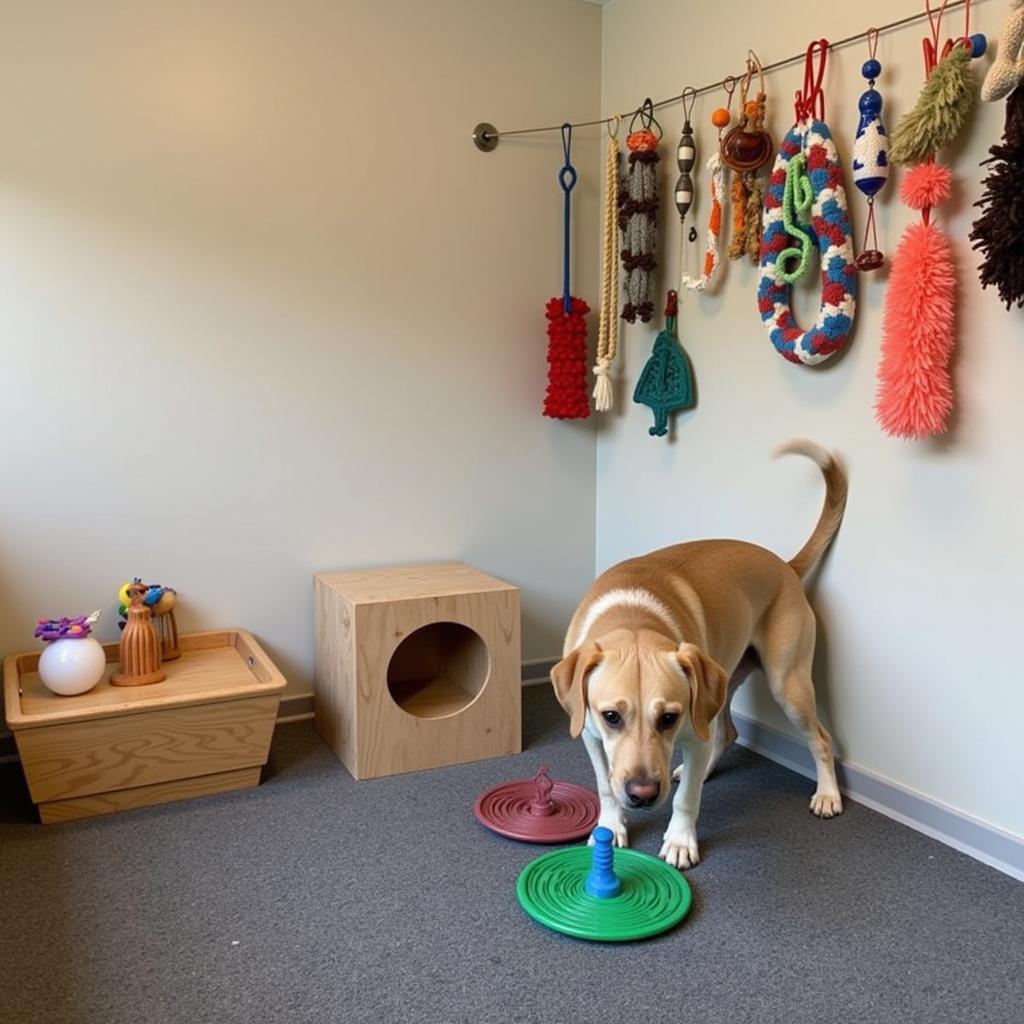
(317, 899)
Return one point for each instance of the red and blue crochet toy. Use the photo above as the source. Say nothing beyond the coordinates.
(807, 178)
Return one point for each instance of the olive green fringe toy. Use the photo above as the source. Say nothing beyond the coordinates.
(940, 113)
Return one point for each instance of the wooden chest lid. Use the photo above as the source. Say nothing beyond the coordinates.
(215, 666)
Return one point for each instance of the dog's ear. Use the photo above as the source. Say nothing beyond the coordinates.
(569, 678)
(709, 685)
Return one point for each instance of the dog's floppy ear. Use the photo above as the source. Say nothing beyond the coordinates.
(569, 678)
(709, 685)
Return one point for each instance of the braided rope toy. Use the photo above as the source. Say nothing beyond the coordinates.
(828, 229)
(608, 320)
(566, 397)
(638, 216)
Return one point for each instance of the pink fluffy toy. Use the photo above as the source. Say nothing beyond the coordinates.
(915, 387)
(915, 392)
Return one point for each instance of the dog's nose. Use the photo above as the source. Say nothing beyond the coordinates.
(642, 792)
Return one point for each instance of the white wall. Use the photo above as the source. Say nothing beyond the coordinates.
(919, 605)
(267, 311)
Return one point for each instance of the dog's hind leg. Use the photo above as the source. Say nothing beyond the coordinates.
(787, 651)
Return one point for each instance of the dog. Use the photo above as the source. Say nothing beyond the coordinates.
(659, 645)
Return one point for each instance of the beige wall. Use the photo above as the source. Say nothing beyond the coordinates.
(920, 604)
(267, 311)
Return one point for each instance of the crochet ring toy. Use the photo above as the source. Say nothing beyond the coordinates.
(828, 229)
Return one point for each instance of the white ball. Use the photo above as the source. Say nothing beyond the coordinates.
(69, 667)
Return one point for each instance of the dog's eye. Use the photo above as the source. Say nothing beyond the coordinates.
(667, 720)
(613, 718)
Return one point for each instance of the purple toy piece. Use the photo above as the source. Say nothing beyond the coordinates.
(539, 810)
(77, 628)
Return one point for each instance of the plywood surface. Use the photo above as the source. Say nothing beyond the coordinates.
(75, 759)
(445, 579)
(215, 666)
(145, 796)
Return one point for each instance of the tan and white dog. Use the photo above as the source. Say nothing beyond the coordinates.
(658, 646)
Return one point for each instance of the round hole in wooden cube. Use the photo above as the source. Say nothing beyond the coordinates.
(438, 670)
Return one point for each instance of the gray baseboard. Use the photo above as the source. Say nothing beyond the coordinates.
(993, 846)
(538, 671)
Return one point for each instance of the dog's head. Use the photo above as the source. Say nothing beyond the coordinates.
(636, 691)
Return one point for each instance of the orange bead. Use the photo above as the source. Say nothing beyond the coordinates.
(721, 117)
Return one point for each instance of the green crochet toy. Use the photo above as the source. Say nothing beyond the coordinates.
(666, 382)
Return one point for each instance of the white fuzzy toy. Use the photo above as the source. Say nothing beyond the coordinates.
(1008, 69)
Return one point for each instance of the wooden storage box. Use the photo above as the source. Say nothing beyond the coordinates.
(205, 729)
(417, 667)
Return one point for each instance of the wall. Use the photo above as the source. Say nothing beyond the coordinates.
(919, 604)
(267, 311)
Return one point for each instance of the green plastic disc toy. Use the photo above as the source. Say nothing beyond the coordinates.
(602, 894)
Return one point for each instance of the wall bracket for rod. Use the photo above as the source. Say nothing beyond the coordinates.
(485, 137)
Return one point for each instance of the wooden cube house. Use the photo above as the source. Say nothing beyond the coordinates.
(417, 667)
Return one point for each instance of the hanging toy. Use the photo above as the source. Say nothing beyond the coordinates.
(746, 149)
(666, 382)
(870, 154)
(946, 101)
(915, 391)
(686, 155)
(716, 170)
(999, 231)
(608, 322)
(638, 215)
(807, 178)
(1007, 69)
(566, 397)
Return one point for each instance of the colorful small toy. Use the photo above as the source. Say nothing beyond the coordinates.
(140, 644)
(638, 215)
(746, 148)
(73, 661)
(603, 894)
(666, 381)
(162, 601)
(608, 318)
(539, 810)
(807, 177)
(566, 397)
(870, 154)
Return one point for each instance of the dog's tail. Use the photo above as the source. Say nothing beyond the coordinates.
(808, 557)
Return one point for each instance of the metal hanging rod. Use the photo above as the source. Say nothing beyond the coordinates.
(486, 136)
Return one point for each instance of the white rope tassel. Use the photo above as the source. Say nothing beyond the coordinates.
(603, 391)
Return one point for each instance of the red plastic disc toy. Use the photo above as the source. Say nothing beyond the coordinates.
(539, 810)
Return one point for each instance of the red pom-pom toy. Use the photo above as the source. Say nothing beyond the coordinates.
(566, 397)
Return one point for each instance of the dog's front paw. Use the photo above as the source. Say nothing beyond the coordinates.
(679, 850)
(615, 822)
(826, 805)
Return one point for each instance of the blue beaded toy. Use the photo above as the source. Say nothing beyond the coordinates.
(870, 154)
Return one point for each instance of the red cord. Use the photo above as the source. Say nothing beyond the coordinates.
(810, 101)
